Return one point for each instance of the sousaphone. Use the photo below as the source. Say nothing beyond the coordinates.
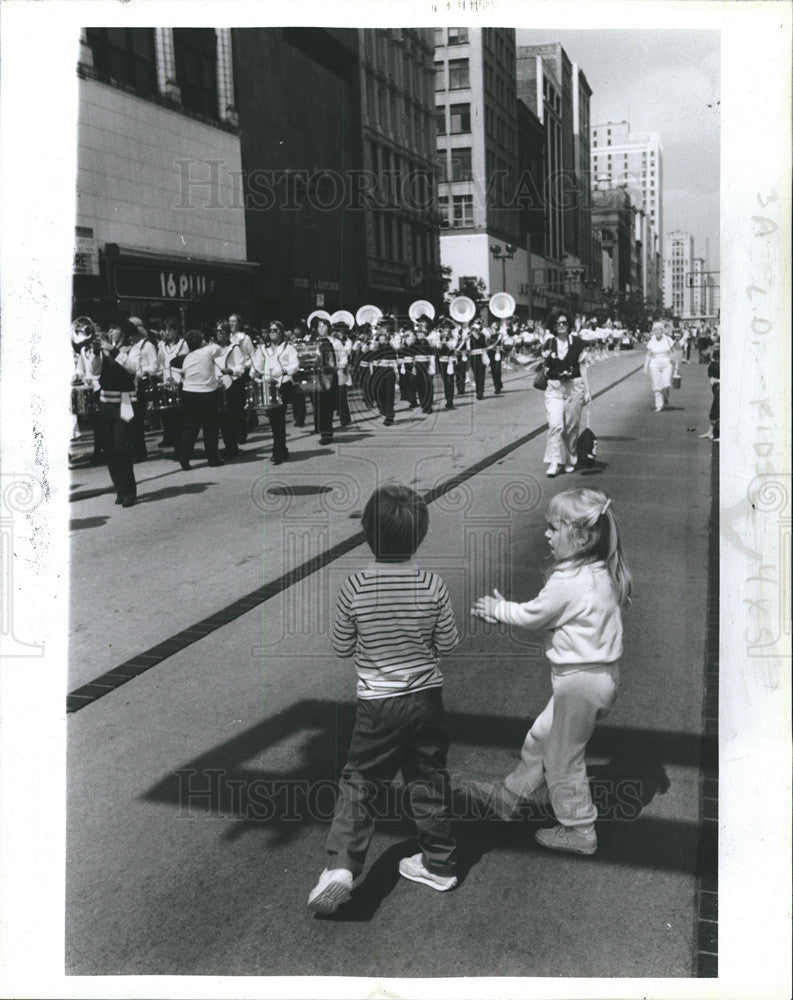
(368, 314)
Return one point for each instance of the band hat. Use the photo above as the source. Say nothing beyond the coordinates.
(342, 318)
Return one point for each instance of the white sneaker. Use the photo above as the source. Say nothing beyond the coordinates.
(333, 889)
(567, 838)
(553, 470)
(569, 468)
(413, 868)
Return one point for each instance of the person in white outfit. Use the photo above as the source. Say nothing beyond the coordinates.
(659, 364)
(581, 606)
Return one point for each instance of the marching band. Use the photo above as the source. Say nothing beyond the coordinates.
(219, 378)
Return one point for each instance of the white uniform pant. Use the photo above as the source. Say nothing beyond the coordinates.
(563, 404)
(554, 748)
(660, 371)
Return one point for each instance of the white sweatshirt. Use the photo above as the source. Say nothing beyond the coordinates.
(579, 606)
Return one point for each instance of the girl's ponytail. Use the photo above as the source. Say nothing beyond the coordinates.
(610, 551)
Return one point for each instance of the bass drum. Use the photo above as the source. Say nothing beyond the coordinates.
(83, 402)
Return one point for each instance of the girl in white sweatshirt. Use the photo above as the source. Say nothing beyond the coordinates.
(581, 606)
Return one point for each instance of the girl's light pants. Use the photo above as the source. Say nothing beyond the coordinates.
(554, 748)
(563, 404)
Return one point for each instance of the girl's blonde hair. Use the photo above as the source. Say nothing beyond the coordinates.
(589, 513)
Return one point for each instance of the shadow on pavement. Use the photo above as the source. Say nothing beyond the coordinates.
(288, 789)
(175, 491)
(78, 523)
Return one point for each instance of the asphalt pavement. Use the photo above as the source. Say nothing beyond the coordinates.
(201, 783)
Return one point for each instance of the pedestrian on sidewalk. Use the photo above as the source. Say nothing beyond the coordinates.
(714, 376)
(581, 606)
(565, 360)
(659, 364)
(395, 618)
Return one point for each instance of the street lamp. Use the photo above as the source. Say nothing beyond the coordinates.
(503, 254)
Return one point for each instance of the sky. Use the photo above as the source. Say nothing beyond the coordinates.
(666, 82)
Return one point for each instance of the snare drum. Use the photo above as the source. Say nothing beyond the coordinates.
(262, 394)
(83, 402)
(307, 376)
(166, 396)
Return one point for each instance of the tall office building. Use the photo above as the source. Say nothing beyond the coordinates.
(634, 162)
(477, 150)
(678, 274)
(398, 131)
(556, 90)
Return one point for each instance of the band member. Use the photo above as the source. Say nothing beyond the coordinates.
(142, 354)
(384, 365)
(342, 345)
(323, 399)
(200, 398)
(237, 335)
(422, 383)
(446, 352)
(88, 364)
(170, 355)
(233, 389)
(277, 362)
(461, 359)
(494, 346)
(117, 416)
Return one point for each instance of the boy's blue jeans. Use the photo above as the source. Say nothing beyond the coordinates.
(406, 734)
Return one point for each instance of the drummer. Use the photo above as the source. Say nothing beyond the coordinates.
(141, 356)
(324, 398)
(170, 355)
(277, 362)
(384, 362)
(494, 345)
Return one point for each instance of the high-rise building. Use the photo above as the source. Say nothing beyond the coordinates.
(477, 151)
(557, 92)
(160, 218)
(678, 274)
(397, 77)
(636, 163)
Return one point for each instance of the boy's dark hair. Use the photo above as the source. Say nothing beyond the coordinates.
(194, 339)
(395, 521)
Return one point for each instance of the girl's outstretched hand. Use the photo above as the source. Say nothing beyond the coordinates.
(485, 607)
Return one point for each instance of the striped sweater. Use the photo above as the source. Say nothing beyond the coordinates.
(395, 618)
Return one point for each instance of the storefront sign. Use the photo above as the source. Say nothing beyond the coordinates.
(139, 281)
(86, 260)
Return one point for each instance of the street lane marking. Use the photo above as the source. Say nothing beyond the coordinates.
(114, 678)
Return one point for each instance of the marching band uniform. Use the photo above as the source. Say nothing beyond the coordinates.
(142, 356)
(494, 356)
(233, 422)
(117, 401)
(477, 352)
(382, 380)
(461, 360)
(323, 400)
(277, 363)
(447, 359)
(171, 373)
(422, 383)
(88, 365)
(342, 345)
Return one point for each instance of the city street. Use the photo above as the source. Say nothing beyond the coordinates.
(200, 773)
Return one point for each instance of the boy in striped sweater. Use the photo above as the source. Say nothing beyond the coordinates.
(395, 618)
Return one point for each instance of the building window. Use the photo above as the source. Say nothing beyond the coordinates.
(382, 108)
(195, 53)
(440, 121)
(458, 36)
(126, 55)
(459, 119)
(443, 208)
(461, 164)
(463, 210)
(458, 74)
(440, 80)
(443, 170)
(439, 39)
